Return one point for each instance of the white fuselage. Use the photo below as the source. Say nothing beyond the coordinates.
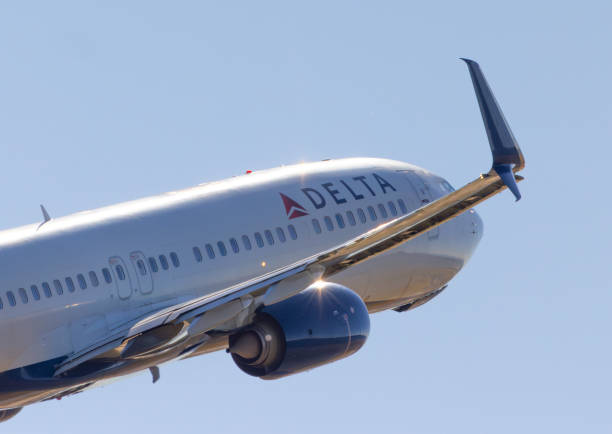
(118, 237)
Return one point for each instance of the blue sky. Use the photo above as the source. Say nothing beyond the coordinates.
(102, 102)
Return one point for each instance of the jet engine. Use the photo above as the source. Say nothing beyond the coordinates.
(324, 323)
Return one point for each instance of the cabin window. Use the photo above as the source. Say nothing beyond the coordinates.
(372, 213)
(58, 287)
(281, 235)
(269, 237)
(69, 284)
(1, 304)
(120, 273)
(35, 293)
(351, 218)
(361, 215)
(247, 242)
(142, 268)
(259, 240)
(152, 264)
(11, 298)
(292, 232)
(163, 261)
(83, 283)
(328, 223)
(402, 206)
(93, 278)
(316, 226)
(210, 251)
(108, 278)
(197, 254)
(392, 208)
(383, 210)
(175, 259)
(23, 295)
(46, 289)
(234, 244)
(221, 247)
(340, 221)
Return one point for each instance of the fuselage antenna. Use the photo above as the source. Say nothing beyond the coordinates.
(45, 214)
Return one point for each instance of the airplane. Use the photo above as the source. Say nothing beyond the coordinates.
(281, 268)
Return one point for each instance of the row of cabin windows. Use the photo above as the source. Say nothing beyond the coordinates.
(82, 282)
(361, 216)
(163, 263)
(210, 251)
(47, 291)
(234, 245)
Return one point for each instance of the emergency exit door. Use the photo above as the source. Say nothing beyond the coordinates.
(143, 273)
(122, 277)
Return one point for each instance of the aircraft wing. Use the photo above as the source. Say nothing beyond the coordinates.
(212, 310)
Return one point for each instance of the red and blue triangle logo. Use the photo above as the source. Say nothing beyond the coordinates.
(292, 208)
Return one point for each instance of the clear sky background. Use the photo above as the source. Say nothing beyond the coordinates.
(102, 102)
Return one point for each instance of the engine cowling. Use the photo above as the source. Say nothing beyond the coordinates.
(324, 323)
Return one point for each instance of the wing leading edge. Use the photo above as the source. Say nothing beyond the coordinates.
(205, 313)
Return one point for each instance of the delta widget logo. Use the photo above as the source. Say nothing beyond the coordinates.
(292, 208)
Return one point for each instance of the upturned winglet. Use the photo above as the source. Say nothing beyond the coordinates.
(507, 156)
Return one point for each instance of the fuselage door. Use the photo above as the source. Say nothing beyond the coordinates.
(424, 196)
(142, 271)
(122, 277)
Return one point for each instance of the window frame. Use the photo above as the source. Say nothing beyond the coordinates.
(175, 259)
(222, 248)
(363, 218)
(83, 283)
(163, 261)
(383, 211)
(59, 289)
(372, 213)
(23, 295)
(246, 242)
(35, 292)
(197, 254)
(292, 232)
(47, 289)
(234, 245)
(402, 206)
(269, 237)
(108, 278)
(10, 296)
(281, 235)
(70, 284)
(316, 225)
(259, 240)
(340, 221)
(119, 271)
(93, 277)
(351, 218)
(392, 208)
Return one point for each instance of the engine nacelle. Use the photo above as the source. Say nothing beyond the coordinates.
(324, 323)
